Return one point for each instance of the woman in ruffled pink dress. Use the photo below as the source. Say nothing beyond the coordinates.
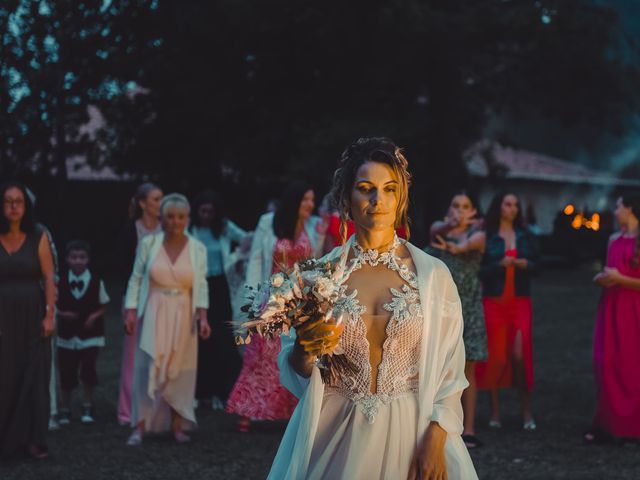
(616, 346)
(285, 237)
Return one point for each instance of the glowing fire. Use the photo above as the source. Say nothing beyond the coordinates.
(581, 220)
(577, 221)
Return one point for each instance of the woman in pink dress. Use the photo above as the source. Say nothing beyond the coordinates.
(285, 237)
(616, 346)
(166, 309)
(144, 212)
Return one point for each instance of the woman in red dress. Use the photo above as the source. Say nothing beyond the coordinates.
(616, 346)
(290, 235)
(510, 256)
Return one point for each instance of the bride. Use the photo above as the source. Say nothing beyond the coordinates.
(399, 416)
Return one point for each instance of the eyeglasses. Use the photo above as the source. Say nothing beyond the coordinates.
(13, 202)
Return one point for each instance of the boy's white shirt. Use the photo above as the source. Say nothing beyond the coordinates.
(85, 277)
(77, 343)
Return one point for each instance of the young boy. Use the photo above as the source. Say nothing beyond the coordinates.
(82, 301)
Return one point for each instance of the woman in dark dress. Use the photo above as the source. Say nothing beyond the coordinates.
(27, 300)
(219, 361)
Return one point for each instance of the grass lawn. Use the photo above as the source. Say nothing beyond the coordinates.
(563, 401)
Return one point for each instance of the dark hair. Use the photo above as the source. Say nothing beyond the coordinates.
(219, 212)
(492, 219)
(28, 222)
(78, 245)
(372, 149)
(633, 201)
(142, 192)
(285, 218)
(531, 214)
(473, 198)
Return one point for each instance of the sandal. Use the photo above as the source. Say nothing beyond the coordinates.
(243, 426)
(471, 441)
(597, 436)
(495, 424)
(135, 438)
(529, 425)
(37, 452)
(181, 437)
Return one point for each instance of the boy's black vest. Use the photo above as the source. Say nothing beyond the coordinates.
(84, 306)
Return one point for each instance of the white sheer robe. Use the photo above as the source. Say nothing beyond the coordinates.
(346, 431)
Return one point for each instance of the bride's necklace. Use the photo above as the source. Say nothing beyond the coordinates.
(373, 256)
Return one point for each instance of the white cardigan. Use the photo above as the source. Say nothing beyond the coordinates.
(139, 282)
(264, 239)
(441, 377)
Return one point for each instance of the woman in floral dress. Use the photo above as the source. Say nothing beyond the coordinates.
(459, 243)
(289, 235)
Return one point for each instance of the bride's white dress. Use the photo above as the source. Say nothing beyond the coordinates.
(352, 418)
(367, 426)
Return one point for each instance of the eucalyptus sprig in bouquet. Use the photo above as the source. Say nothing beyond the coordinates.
(304, 297)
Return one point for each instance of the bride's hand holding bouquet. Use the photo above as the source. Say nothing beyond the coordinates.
(304, 299)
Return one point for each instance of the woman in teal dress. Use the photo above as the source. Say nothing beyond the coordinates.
(459, 243)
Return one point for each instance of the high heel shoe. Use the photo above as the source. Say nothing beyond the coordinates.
(181, 437)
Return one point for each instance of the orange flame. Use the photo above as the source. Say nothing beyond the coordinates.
(577, 221)
(569, 209)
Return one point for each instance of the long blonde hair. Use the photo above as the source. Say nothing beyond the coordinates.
(372, 149)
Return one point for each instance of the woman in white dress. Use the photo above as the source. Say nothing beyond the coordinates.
(168, 291)
(400, 415)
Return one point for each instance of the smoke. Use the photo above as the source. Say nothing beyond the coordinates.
(628, 149)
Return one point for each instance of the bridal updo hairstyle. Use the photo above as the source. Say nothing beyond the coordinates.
(371, 149)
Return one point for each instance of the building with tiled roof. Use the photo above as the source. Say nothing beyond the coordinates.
(548, 184)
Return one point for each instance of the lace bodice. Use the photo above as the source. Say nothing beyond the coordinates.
(397, 372)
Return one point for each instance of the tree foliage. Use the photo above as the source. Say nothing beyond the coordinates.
(58, 58)
(237, 89)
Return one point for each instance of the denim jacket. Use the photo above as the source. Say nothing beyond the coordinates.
(493, 275)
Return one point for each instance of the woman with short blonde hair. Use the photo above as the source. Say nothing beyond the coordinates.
(168, 292)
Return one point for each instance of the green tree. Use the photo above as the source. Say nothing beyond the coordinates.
(280, 87)
(255, 91)
(58, 58)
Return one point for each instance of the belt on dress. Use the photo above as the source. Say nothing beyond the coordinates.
(170, 291)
